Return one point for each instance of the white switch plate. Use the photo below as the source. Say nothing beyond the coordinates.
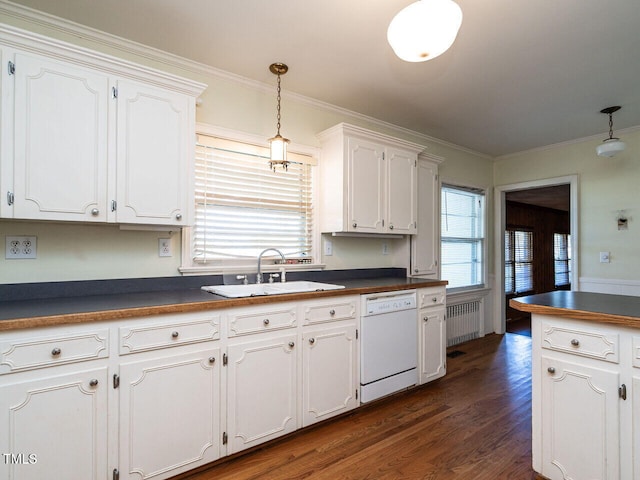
(328, 248)
(20, 247)
(164, 247)
(385, 248)
(605, 257)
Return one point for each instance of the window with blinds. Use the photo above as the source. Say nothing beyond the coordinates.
(243, 207)
(562, 259)
(518, 256)
(462, 236)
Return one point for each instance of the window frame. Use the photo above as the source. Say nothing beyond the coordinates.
(513, 231)
(189, 267)
(567, 261)
(484, 241)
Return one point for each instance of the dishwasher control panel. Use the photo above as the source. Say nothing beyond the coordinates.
(380, 304)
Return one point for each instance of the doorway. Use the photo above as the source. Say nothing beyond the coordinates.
(533, 218)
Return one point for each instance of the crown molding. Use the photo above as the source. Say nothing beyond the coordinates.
(67, 27)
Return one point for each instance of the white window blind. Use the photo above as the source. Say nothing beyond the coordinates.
(562, 259)
(462, 237)
(243, 207)
(518, 257)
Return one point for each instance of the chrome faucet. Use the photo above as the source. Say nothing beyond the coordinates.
(259, 275)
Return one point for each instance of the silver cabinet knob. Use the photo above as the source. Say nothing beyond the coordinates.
(416, 270)
(175, 334)
(551, 370)
(426, 319)
(94, 382)
(354, 224)
(434, 299)
(266, 321)
(178, 216)
(95, 212)
(212, 360)
(575, 342)
(332, 312)
(391, 226)
(291, 344)
(56, 351)
(312, 341)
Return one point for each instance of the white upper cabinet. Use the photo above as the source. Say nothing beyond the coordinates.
(87, 137)
(60, 159)
(155, 155)
(368, 182)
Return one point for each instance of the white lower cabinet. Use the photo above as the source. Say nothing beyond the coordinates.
(53, 423)
(262, 385)
(170, 408)
(586, 400)
(432, 331)
(329, 371)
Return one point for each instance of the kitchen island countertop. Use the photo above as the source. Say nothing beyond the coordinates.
(599, 307)
(45, 312)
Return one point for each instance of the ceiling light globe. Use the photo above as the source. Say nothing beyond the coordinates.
(424, 30)
(610, 147)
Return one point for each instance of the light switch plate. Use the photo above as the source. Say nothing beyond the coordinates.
(605, 257)
(20, 247)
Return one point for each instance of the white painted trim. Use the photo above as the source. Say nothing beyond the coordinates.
(68, 27)
(610, 285)
(499, 228)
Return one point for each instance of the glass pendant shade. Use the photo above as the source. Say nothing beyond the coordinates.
(610, 146)
(278, 146)
(424, 30)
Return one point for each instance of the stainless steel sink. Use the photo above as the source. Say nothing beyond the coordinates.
(239, 291)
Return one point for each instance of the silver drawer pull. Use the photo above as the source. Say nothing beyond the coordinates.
(434, 299)
(212, 360)
(56, 351)
(426, 319)
(332, 312)
(175, 334)
(551, 370)
(575, 342)
(312, 341)
(291, 344)
(95, 212)
(266, 321)
(94, 382)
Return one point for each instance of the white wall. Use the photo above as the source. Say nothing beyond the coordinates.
(81, 252)
(605, 186)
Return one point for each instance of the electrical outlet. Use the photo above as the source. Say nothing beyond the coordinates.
(20, 247)
(164, 247)
(328, 248)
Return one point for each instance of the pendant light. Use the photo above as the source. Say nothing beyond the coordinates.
(612, 145)
(424, 29)
(278, 144)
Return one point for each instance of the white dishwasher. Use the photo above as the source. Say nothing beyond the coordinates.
(389, 344)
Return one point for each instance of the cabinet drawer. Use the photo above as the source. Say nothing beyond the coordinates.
(330, 311)
(431, 297)
(636, 352)
(181, 332)
(245, 322)
(38, 352)
(593, 344)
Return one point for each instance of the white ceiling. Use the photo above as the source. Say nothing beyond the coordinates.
(521, 74)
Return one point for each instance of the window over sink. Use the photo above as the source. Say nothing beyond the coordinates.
(243, 207)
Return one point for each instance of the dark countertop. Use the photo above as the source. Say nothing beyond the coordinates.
(599, 307)
(40, 312)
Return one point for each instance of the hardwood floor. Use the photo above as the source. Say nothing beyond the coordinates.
(473, 424)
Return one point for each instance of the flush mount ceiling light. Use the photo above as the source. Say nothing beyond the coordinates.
(278, 144)
(424, 29)
(612, 145)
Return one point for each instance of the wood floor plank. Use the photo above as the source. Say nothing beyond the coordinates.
(473, 424)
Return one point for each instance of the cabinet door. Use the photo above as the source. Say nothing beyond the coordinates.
(580, 421)
(425, 245)
(635, 407)
(329, 372)
(433, 344)
(60, 151)
(155, 155)
(401, 191)
(55, 426)
(366, 186)
(169, 414)
(262, 391)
